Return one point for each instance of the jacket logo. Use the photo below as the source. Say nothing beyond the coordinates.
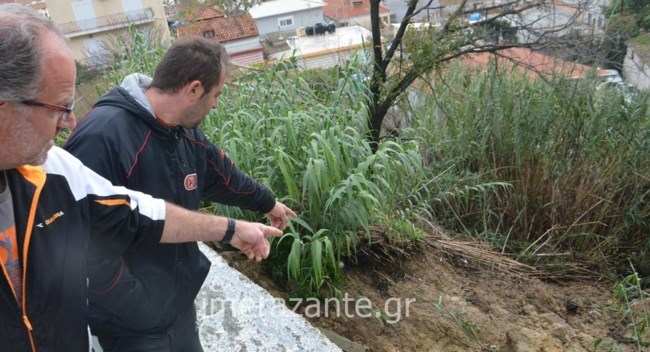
(191, 182)
(51, 219)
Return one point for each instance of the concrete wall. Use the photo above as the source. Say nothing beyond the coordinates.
(326, 50)
(234, 314)
(326, 60)
(635, 70)
(364, 21)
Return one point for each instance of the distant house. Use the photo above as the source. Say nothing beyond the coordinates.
(545, 22)
(92, 26)
(591, 13)
(354, 13)
(438, 11)
(286, 16)
(448, 7)
(636, 66)
(325, 50)
(431, 14)
(582, 15)
(238, 34)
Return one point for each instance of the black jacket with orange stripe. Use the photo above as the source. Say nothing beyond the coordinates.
(123, 141)
(56, 207)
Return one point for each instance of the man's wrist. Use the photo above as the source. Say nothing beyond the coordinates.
(230, 231)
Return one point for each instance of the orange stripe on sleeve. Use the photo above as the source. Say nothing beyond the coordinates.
(113, 202)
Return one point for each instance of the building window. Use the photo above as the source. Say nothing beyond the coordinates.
(208, 34)
(356, 3)
(285, 21)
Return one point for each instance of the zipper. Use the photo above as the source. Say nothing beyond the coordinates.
(36, 176)
(176, 132)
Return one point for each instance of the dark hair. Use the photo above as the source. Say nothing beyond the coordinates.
(21, 56)
(188, 59)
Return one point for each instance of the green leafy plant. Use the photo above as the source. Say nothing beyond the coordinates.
(469, 329)
(635, 319)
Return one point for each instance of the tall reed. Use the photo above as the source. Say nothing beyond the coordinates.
(575, 153)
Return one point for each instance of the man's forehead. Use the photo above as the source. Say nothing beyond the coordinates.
(53, 44)
(59, 70)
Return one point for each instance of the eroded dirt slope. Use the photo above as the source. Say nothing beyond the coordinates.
(458, 305)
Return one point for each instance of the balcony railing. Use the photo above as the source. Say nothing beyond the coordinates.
(104, 23)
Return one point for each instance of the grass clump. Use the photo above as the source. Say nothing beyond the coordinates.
(634, 310)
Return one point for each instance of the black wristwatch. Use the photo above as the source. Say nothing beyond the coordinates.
(229, 232)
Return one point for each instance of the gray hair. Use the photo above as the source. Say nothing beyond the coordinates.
(21, 53)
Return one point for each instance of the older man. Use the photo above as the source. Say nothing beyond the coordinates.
(50, 202)
(145, 135)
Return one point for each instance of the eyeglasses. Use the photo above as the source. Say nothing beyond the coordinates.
(66, 110)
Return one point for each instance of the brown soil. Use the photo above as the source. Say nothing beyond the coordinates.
(462, 304)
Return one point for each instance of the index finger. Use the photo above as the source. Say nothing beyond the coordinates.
(271, 231)
(290, 212)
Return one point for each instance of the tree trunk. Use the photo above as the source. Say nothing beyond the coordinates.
(375, 119)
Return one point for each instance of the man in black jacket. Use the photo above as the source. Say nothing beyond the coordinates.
(145, 135)
(50, 202)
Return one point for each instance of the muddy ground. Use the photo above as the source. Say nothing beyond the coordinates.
(434, 300)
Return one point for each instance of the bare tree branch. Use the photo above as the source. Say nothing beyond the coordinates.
(541, 24)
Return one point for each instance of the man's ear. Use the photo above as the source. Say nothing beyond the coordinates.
(194, 90)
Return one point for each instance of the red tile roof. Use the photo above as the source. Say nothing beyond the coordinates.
(209, 13)
(534, 63)
(341, 9)
(225, 29)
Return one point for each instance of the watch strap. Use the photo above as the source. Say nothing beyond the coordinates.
(229, 232)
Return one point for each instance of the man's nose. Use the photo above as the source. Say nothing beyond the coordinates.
(70, 122)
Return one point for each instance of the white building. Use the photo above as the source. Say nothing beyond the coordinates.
(326, 50)
(286, 16)
(636, 70)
